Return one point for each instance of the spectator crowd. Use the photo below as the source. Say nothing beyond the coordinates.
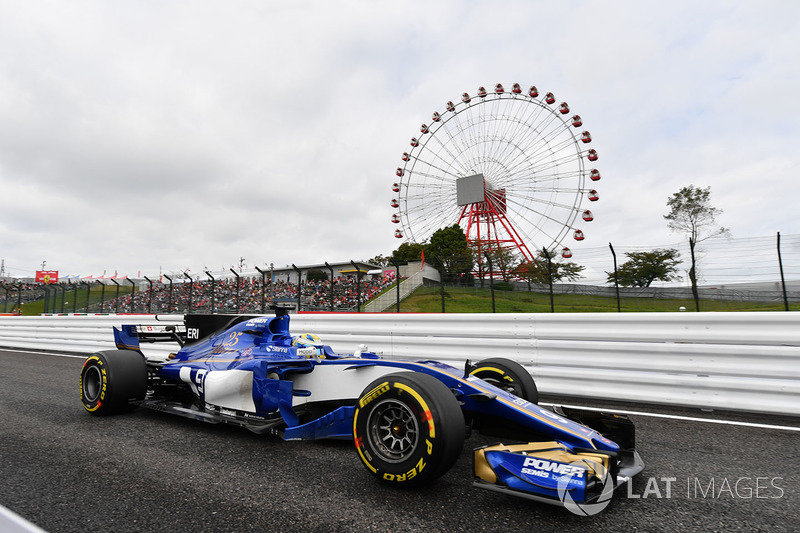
(12, 295)
(223, 296)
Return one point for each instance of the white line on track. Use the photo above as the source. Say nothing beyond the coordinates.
(620, 411)
(15, 350)
(679, 417)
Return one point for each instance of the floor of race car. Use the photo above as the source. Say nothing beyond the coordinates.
(150, 471)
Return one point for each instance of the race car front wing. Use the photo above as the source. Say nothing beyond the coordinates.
(555, 473)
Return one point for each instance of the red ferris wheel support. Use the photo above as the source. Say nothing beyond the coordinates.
(488, 228)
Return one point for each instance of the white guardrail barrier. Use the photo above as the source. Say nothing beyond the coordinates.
(737, 361)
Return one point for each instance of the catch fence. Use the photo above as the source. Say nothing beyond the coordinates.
(761, 273)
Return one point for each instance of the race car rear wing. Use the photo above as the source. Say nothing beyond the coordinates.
(195, 327)
(129, 336)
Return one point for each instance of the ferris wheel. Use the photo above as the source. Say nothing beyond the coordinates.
(510, 167)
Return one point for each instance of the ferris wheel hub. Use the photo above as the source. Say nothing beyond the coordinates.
(470, 189)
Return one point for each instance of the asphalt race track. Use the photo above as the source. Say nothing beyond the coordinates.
(64, 470)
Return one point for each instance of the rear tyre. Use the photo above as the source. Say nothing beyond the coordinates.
(408, 429)
(507, 375)
(111, 379)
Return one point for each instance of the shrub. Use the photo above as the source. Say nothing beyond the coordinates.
(503, 286)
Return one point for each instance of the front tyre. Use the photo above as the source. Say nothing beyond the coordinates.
(111, 379)
(408, 429)
(507, 375)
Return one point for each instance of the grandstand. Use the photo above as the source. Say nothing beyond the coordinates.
(346, 288)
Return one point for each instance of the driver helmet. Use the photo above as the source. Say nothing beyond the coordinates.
(306, 340)
(308, 345)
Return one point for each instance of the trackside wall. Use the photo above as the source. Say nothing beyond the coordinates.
(739, 361)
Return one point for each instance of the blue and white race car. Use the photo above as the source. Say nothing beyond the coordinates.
(408, 420)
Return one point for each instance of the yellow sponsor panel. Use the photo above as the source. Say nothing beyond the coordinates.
(597, 464)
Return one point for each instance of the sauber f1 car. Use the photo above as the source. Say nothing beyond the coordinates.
(408, 420)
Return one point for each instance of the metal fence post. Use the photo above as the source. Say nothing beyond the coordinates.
(330, 268)
(169, 297)
(550, 278)
(358, 283)
(693, 276)
(46, 290)
(116, 297)
(237, 290)
(783, 280)
(397, 279)
(491, 279)
(263, 289)
(149, 296)
(191, 286)
(299, 287)
(5, 302)
(441, 279)
(616, 281)
(213, 291)
(441, 287)
(88, 294)
(74, 297)
(133, 293)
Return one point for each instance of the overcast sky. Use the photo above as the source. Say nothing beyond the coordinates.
(145, 135)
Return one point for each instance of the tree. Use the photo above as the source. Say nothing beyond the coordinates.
(449, 246)
(316, 274)
(502, 258)
(643, 268)
(537, 271)
(378, 260)
(691, 212)
(408, 252)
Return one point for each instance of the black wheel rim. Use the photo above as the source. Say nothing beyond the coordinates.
(392, 431)
(92, 384)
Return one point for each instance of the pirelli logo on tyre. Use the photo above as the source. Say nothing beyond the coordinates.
(374, 393)
(411, 474)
